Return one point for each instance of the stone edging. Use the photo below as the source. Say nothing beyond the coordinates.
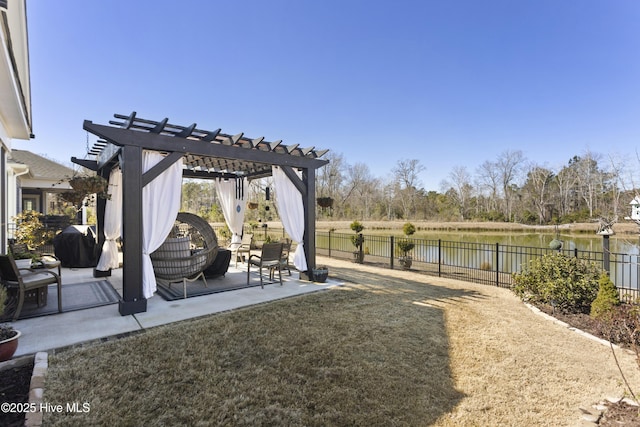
(36, 387)
(590, 416)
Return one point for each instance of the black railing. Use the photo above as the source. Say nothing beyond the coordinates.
(486, 263)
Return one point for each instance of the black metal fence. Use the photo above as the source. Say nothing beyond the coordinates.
(487, 263)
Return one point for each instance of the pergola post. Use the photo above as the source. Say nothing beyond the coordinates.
(309, 204)
(133, 300)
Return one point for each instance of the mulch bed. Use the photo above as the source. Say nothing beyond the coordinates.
(619, 413)
(14, 388)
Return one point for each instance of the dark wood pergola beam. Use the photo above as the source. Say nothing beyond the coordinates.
(152, 141)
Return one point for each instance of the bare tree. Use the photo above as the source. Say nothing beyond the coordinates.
(488, 179)
(509, 166)
(537, 187)
(460, 183)
(407, 175)
(589, 179)
(358, 183)
(566, 180)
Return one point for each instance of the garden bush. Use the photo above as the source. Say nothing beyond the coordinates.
(607, 298)
(567, 283)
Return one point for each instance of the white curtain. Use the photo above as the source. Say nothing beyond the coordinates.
(233, 200)
(112, 222)
(160, 206)
(291, 210)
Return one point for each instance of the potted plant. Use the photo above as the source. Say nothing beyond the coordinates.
(84, 186)
(89, 184)
(320, 273)
(406, 260)
(8, 335)
(406, 245)
(358, 241)
(325, 202)
(25, 259)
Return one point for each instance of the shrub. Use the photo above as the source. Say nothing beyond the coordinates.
(356, 226)
(408, 229)
(569, 284)
(405, 246)
(3, 299)
(31, 231)
(606, 300)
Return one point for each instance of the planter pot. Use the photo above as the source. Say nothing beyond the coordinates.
(325, 202)
(320, 274)
(406, 262)
(8, 347)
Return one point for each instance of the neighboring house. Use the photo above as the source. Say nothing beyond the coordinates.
(15, 101)
(37, 181)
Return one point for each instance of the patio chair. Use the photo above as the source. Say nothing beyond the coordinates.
(244, 247)
(284, 261)
(270, 259)
(191, 247)
(47, 260)
(25, 281)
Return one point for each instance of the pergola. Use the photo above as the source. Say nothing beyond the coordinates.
(206, 155)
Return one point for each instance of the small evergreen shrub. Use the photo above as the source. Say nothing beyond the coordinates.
(408, 229)
(569, 284)
(357, 226)
(405, 246)
(606, 300)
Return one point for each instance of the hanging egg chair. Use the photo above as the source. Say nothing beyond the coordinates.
(189, 249)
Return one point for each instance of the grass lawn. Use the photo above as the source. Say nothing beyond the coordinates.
(388, 348)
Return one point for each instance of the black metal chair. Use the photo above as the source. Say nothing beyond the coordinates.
(191, 247)
(270, 258)
(24, 281)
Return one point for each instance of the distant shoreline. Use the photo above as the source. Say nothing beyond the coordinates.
(625, 228)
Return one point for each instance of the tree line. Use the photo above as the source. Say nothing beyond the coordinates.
(509, 188)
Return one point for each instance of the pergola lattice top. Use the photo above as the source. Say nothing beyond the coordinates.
(205, 154)
(240, 163)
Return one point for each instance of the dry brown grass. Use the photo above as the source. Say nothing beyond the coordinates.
(389, 348)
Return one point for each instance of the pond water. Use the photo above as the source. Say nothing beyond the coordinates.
(626, 244)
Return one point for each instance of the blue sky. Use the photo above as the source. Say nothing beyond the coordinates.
(453, 82)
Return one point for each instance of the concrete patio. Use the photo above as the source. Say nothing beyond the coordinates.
(66, 329)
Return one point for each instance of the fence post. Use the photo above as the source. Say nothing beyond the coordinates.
(439, 257)
(392, 241)
(329, 243)
(497, 264)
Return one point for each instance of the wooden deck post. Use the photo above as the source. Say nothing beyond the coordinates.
(133, 300)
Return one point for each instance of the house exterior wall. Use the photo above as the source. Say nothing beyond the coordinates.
(15, 103)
